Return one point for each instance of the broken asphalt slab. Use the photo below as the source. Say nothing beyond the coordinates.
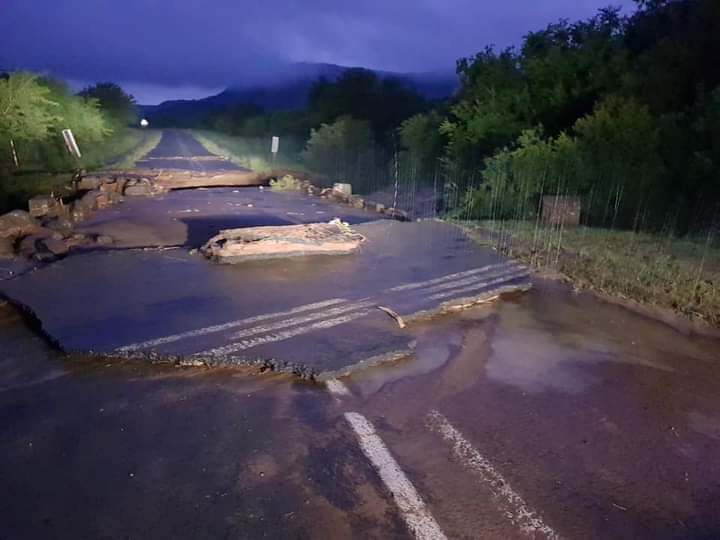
(318, 315)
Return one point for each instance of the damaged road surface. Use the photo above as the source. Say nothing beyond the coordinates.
(547, 415)
(319, 315)
(153, 294)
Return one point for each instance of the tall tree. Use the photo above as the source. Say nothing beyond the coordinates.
(118, 105)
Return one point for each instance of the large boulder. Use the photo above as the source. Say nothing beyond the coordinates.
(254, 243)
(17, 223)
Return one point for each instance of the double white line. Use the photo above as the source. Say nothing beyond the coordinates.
(332, 312)
(226, 326)
(324, 319)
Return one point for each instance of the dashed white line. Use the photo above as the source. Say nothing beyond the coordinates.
(228, 325)
(416, 515)
(515, 508)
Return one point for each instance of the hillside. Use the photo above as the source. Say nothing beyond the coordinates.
(286, 92)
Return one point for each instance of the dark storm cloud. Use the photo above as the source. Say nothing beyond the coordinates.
(229, 41)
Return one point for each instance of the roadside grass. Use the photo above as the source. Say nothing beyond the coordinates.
(252, 153)
(147, 141)
(115, 147)
(682, 274)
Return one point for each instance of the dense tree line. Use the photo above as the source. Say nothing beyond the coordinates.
(622, 111)
(34, 110)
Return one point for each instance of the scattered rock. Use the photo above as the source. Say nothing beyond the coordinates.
(114, 197)
(104, 240)
(28, 246)
(17, 223)
(121, 183)
(60, 224)
(102, 200)
(55, 246)
(42, 205)
(89, 201)
(109, 187)
(78, 211)
(78, 239)
(90, 183)
(357, 202)
(398, 214)
(140, 187)
(341, 188)
(379, 208)
(138, 190)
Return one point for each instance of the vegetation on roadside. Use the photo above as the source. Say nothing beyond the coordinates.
(146, 141)
(623, 112)
(252, 153)
(33, 112)
(286, 183)
(680, 274)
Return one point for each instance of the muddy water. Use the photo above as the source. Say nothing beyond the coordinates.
(607, 424)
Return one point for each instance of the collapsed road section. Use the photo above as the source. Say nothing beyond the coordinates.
(321, 313)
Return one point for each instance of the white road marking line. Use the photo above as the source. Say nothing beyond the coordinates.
(336, 387)
(445, 282)
(416, 515)
(449, 277)
(228, 325)
(280, 336)
(515, 508)
(285, 323)
(475, 279)
(479, 285)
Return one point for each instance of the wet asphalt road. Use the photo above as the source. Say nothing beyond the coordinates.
(606, 424)
(544, 414)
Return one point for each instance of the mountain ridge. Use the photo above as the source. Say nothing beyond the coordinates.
(288, 92)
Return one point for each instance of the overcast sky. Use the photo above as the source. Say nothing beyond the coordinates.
(162, 49)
